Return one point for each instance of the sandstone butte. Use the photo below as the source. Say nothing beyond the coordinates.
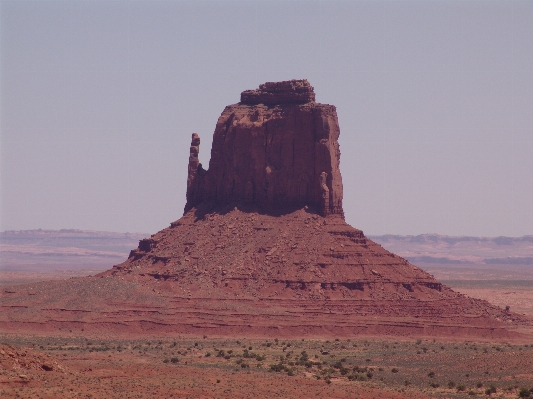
(262, 249)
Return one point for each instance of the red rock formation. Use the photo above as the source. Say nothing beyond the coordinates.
(277, 150)
(276, 93)
(262, 249)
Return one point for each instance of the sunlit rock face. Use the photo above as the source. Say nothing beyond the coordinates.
(276, 150)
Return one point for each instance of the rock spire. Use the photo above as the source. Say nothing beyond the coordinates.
(276, 150)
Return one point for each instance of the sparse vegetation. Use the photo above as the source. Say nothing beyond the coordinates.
(297, 359)
(490, 390)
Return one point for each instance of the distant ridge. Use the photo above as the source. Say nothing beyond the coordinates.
(433, 237)
(444, 249)
(8, 234)
(41, 250)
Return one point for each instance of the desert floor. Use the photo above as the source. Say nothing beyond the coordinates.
(206, 367)
(48, 367)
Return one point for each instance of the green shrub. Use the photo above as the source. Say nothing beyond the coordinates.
(174, 360)
(490, 390)
(461, 387)
(278, 367)
(524, 393)
(451, 384)
(431, 374)
(395, 370)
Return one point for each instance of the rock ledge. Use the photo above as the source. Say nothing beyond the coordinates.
(276, 93)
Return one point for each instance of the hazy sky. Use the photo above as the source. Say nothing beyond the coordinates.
(434, 98)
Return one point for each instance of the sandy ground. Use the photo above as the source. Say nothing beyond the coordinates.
(518, 295)
(15, 278)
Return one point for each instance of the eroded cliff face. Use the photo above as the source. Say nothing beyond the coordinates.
(277, 150)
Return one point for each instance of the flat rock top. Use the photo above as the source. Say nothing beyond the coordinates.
(296, 91)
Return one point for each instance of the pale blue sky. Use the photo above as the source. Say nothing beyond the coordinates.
(434, 98)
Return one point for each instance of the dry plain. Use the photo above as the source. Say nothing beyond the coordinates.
(241, 368)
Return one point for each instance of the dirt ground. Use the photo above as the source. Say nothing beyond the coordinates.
(214, 368)
(517, 294)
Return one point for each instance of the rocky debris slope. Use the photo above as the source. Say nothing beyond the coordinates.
(297, 255)
(22, 365)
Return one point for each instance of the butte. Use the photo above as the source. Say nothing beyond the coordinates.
(262, 249)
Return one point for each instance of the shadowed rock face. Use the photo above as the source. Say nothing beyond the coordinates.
(277, 149)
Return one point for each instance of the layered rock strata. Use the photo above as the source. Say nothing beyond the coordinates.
(276, 150)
